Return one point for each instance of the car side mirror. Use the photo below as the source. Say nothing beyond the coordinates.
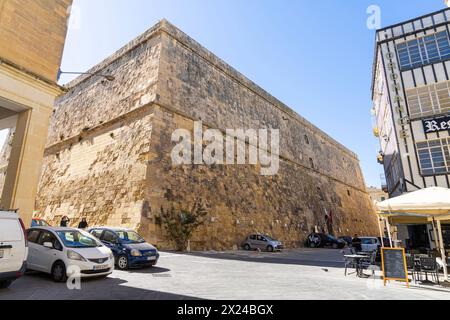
(48, 245)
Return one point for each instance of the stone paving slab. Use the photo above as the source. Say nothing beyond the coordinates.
(290, 275)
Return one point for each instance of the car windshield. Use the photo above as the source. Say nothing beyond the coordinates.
(77, 239)
(269, 238)
(130, 237)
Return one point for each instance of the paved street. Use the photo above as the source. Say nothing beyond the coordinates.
(296, 274)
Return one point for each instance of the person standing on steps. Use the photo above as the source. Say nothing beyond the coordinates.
(83, 224)
(65, 221)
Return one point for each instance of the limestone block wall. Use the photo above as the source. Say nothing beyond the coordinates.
(108, 152)
(98, 143)
(102, 177)
(200, 85)
(93, 101)
(240, 201)
(38, 47)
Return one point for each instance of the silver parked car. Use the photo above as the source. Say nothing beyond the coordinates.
(262, 242)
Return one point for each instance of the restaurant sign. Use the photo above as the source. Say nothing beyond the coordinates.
(437, 124)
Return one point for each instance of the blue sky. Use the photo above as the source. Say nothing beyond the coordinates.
(316, 56)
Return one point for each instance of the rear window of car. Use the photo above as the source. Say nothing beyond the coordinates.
(97, 233)
(369, 241)
(39, 223)
(33, 236)
(10, 230)
(109, 236)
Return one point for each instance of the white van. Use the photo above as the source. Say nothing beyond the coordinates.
(13, 248)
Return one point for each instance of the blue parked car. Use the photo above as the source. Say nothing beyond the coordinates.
(129, 248)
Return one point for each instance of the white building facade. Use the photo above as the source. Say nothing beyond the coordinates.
(411, 102)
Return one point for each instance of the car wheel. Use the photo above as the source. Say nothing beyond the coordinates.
(269, 248)
(122, 263)
(59, 272)
(5, 284)
(247, 247)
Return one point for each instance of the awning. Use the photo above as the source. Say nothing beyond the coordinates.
(431, 205)
(431, 202)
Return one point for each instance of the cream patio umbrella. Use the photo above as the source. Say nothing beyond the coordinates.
(430, 205)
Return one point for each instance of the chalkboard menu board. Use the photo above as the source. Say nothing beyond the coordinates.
(394, 265)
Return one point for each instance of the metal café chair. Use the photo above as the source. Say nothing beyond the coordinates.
(429, 266)
(369, 263)
(349, 263)
(411, 264)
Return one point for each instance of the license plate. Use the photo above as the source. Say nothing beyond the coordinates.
(1, 254)
(102, 267)
(151, 258)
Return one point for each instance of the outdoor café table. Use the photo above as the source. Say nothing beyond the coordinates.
(357, 258)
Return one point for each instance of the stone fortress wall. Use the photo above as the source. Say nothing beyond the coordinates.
(108, 152)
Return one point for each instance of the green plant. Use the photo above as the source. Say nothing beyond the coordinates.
(181, 224)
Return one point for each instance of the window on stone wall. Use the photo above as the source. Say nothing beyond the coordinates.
(422, 51)
(306, 139)
(429, 100)
(434, 156)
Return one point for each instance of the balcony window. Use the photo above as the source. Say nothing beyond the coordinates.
(434, 156)
(429, 100)
(422, 51)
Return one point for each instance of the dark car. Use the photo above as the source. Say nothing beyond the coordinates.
(347, 239)
(129, 248)
(321, 240)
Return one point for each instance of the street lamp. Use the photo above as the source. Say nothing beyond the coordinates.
(106, 76)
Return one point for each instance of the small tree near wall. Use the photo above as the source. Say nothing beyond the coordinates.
(181, 223)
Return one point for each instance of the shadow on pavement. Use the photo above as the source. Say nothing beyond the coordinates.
(149, 270)
(432, 288)
(319, 258)
(39, 286)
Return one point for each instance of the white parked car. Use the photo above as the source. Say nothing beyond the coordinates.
(54, 250)
(13, 248)
(370, 244)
